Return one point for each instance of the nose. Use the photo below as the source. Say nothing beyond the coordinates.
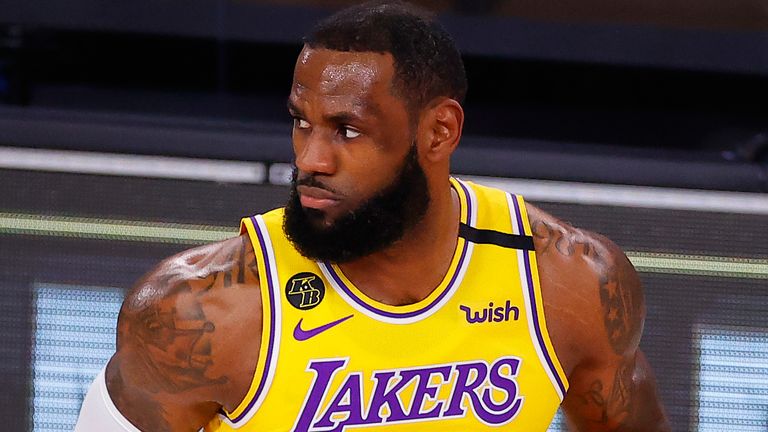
(314, 153)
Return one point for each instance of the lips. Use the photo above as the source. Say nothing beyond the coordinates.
(316, 198)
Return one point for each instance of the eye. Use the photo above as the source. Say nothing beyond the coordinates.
(349, 133)
(300, 123)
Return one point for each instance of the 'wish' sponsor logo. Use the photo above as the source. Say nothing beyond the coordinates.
(491, 313)
(488, 391)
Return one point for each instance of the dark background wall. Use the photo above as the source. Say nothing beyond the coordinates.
(649, 80)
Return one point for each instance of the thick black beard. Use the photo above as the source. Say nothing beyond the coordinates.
(373, 226)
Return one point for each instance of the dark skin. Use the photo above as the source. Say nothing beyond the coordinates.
(188, 332)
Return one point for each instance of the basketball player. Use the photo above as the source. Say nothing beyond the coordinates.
(386, 295)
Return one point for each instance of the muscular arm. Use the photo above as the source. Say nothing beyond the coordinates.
(616, 390)
(188, 337)
(596, 327)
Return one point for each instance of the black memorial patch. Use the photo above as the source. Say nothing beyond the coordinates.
(305, 290)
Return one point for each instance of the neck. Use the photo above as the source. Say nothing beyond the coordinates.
(410, 269)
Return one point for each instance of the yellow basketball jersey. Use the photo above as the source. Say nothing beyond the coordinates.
(473, 355)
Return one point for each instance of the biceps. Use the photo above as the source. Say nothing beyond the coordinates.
(141, 400)
(620, 397)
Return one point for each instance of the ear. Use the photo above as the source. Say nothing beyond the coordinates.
(442, 124)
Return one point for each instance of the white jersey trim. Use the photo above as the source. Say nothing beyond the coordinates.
(524, 284)
(274, 287)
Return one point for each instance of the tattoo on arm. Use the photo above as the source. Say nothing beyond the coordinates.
(174, 338)
(609, 406)
(249, 269)
(622, 397)
(239, 266)
(567, 244)
(168, 333)
(622, 306)
(621, 302)
(172, 331)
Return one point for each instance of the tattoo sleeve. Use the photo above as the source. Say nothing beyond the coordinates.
(622, 302)
(617, 391)
(166, 333)
(606, 405)
(565, 243)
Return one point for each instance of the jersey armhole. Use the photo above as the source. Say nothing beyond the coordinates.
(264, 372)
(541, 337)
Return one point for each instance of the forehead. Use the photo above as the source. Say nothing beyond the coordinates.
(357, 78)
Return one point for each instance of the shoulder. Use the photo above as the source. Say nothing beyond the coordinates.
(204, 270)
(590, 288)
(186, 329)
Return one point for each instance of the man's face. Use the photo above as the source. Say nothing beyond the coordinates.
(358, 185)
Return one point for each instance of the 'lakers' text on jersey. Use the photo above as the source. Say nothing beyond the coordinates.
(473, 355)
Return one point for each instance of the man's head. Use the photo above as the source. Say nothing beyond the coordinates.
(427, 63)
(376, 106)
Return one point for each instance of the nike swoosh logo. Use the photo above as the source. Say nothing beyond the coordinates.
(301, 335)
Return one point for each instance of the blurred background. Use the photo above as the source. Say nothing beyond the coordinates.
(133, 130)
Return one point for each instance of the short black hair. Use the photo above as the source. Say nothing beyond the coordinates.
(426, 60)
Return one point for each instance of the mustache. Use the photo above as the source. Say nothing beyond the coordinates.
(310, 180)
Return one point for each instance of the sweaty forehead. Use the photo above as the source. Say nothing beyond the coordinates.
(340, 73)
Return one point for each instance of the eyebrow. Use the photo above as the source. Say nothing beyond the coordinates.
(342, 117)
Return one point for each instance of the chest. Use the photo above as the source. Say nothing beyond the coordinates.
(472, 353)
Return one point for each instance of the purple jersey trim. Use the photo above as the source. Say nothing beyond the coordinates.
(388, 314)
(448, 288)
(532, 293)
(268, 362)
